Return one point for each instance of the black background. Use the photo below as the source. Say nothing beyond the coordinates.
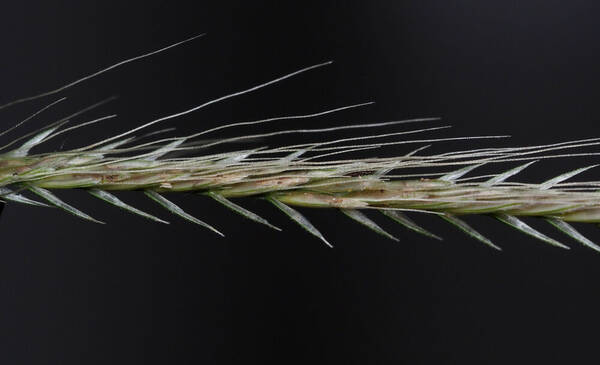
(135, 292)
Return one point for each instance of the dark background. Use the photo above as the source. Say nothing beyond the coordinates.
(135, 292)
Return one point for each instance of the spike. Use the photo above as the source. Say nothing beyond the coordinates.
(240, 210)
(560, 178)
(523, 227)
(298, 218)
(111, 199)
(572, 232)
(6, 193)
(454, 175)
(364, 220)
(505, 175)
(37, 139)
(54, 200)
(408, 223)
(463, 226)
(173, 208)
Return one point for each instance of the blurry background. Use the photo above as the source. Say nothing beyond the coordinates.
(132, 291)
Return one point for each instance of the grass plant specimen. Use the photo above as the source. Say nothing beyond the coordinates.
(315, 175)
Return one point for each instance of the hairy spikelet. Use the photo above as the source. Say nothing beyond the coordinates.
(302, 175)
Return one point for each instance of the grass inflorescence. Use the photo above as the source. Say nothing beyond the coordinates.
(312, 175)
